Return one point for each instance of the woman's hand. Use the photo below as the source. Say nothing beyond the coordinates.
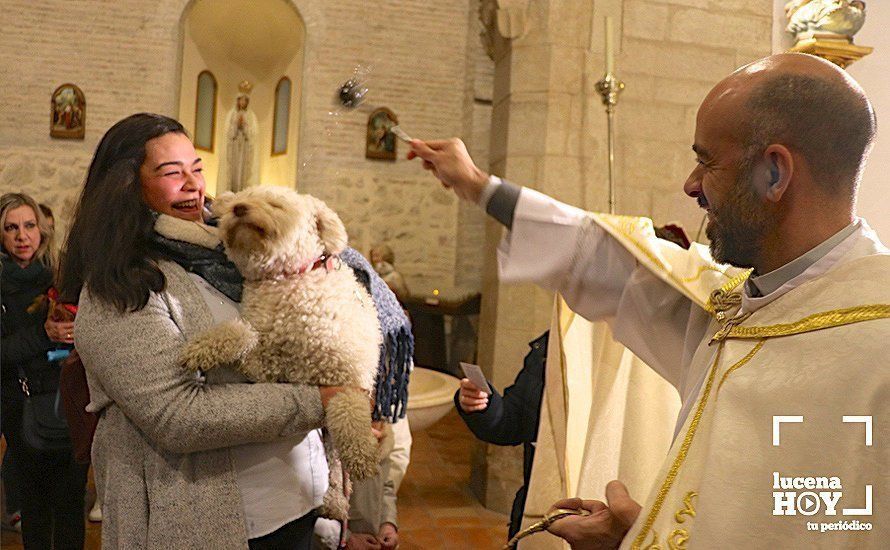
(377, 429)
(58, 331)
(471, 397)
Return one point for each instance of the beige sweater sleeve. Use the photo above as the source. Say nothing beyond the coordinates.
(131, 361)
(397, 465)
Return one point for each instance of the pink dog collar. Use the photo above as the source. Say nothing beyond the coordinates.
(325, 260)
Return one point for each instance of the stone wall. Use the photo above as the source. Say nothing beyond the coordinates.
(125, 56)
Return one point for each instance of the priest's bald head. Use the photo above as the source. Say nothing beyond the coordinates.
(780, 146)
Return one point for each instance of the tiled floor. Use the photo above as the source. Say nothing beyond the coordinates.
(436, 509)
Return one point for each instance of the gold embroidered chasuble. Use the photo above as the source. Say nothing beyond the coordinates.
(709, 481)
(817, 356)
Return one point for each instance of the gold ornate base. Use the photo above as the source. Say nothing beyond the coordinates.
(841, 52)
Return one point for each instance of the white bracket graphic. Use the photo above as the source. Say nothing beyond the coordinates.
(862, 420)
(861, 511)
(777, 421)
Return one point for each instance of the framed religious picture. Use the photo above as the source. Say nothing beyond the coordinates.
(380, 143)
(68, 113)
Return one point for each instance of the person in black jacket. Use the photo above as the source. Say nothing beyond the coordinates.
(511, 419)
(51, 482)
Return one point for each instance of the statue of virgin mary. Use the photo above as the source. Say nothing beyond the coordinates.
(240, 167)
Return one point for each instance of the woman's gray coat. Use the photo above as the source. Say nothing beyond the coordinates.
(161, 451)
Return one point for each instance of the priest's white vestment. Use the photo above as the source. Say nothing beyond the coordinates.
(782, 437)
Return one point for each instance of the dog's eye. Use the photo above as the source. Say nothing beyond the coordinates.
(276, 205)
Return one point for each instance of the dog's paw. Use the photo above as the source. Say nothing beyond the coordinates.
(196, 357)
(234, 340)
(226, 343)
(348, 418)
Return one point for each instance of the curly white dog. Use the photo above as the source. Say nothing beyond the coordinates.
(305, 319)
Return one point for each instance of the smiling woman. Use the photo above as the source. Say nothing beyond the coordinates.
(246, 459)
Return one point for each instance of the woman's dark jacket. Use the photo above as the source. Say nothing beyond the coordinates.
(24, 340)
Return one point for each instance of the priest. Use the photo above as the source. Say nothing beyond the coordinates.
(773, 336)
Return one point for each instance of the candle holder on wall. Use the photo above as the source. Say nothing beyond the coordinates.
(609, 87)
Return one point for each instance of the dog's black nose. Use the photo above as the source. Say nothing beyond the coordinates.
(239, 210)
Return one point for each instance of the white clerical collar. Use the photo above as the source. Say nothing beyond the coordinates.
(765, 288)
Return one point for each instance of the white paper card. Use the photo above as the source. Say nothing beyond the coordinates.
(474, 374)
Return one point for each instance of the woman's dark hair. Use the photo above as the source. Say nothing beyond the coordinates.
(108, 244)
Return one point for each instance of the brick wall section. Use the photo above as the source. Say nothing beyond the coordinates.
(125, 57)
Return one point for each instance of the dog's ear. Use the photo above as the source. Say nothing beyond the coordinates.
(222, 203)
(330, 228)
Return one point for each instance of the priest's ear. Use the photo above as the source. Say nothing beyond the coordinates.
(330, 228)
(778, 167)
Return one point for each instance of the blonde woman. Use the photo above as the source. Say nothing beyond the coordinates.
(52, 483)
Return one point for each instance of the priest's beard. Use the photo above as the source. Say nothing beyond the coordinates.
(739, 224)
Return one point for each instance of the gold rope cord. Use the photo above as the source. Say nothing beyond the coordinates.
(719, 301)
(826, 319)
(681, 454)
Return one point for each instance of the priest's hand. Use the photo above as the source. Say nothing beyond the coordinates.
(471, 397)
(449, 161)
(607, 524)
